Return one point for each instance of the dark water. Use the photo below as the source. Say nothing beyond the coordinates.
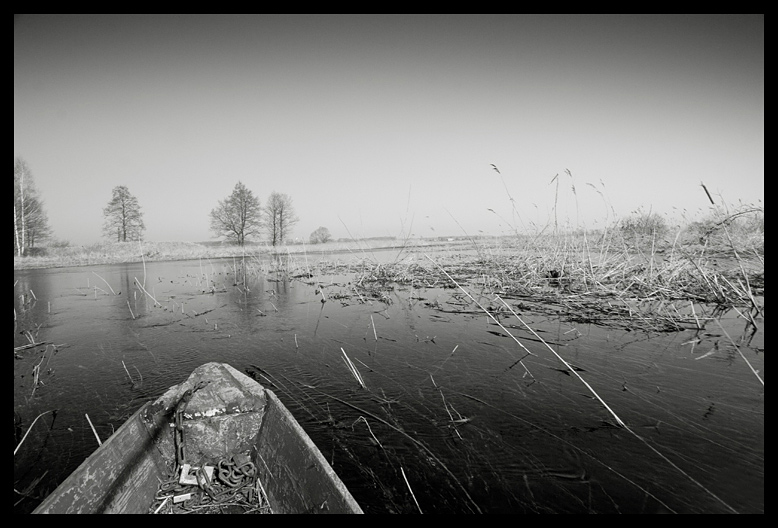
(447, 406)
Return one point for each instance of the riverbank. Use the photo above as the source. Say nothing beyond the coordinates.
(129, 252)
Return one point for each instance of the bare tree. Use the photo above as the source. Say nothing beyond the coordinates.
(30, 221)
(37, 221)
(279, 217)
(123, 218)
(237, 217)
(320, 236)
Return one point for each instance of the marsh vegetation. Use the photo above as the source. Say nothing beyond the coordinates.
(580, 372)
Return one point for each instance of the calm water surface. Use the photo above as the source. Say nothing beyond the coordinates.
(446, 401)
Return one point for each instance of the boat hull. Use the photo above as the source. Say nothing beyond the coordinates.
(228, 413)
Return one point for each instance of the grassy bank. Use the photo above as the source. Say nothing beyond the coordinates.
(121, 252)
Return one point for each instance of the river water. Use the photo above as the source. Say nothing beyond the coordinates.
(454, 416)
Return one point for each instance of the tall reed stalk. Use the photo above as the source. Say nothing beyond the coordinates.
(54, 411)
(566, 364)
(528, 353)
(99, 442)
(144, 291)
(353, 369)
(625, 426)
(106, 283)
(756, 372)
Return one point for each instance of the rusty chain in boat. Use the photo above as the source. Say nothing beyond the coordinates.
(234, 480)
(236, 473)
(178, 433)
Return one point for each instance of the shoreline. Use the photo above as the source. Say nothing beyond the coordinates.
(130, 252)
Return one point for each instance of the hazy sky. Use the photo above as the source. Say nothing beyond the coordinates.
(377, 125)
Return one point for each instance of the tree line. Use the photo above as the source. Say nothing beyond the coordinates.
(237, 219)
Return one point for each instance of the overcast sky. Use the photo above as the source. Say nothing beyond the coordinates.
(381, 125)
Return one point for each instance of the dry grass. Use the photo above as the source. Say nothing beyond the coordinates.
(649, 284)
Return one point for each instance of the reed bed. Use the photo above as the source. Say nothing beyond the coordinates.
(643, 285)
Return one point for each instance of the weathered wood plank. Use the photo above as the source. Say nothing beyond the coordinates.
(296, 476)
(120, 476)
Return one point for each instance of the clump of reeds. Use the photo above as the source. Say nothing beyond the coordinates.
(597, 278)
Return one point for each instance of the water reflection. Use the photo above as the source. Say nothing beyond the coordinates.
(446, 404)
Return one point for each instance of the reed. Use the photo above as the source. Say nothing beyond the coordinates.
(428, 452)
(625, 426)
(369, 429)
(410, 489)
(127, 371)
(106, 283)
(753, 370)
(447, 358)
(36, 373)
(29, 345)
(54, 411)
(143, 289)
(143, 259)
(353, 369)
(489, 314)
(99, 442)
(566, 364)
